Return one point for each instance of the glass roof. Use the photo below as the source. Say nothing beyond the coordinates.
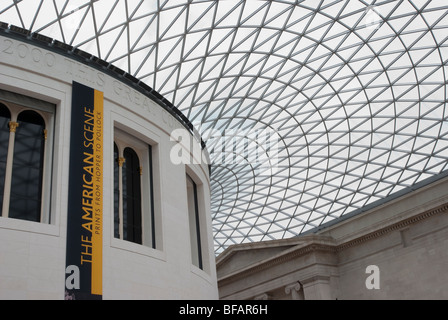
(310, 109)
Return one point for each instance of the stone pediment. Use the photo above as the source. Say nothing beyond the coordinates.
(250, 255)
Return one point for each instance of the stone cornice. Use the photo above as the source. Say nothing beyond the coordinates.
(393, 227)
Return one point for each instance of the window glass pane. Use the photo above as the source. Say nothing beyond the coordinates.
(116, 194)
(124, 191)
(193, 217)
(132, 215)
(5, 117)
(151, 195)
(27, 170)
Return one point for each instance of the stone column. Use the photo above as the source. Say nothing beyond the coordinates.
(8, 173)
(121, 162)
(263, 296)
(295, 290)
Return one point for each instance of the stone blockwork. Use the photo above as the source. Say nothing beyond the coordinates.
(394, 251)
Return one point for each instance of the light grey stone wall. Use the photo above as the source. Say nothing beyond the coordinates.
(397, 250)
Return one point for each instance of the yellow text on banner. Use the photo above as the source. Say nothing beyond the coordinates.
(97, 232)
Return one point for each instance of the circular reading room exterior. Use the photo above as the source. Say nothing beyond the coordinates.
(104, 185)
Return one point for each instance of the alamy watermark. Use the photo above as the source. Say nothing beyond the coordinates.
(373, 280)
(258, 148)
(372, 18)
(73, 17)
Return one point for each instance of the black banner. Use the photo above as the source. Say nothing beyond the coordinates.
(83, 278)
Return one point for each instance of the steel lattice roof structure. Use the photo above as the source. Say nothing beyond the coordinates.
(311, 110)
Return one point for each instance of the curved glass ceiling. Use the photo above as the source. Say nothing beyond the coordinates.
(310, 109)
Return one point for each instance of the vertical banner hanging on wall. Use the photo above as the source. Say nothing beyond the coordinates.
(83, 278)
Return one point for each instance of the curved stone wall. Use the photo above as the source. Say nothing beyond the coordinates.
(38, 73)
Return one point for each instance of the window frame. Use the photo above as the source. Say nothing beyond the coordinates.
(194, 220)
(30, 128)
(145, 154)
(17, 104)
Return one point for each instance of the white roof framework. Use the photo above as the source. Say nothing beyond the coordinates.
(310, 109)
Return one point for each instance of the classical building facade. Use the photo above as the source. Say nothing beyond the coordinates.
(396, 250)
(99, 198)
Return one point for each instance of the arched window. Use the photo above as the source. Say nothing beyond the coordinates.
(27, 168)
(135, 210)
(132, 207)
(25, 161)
(5, 118)
(127, 195)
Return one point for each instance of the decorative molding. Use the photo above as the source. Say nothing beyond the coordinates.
(263, 296)
(13, 126)
(316, 278)
(121, 161)
(396, 226)
(295, 291)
